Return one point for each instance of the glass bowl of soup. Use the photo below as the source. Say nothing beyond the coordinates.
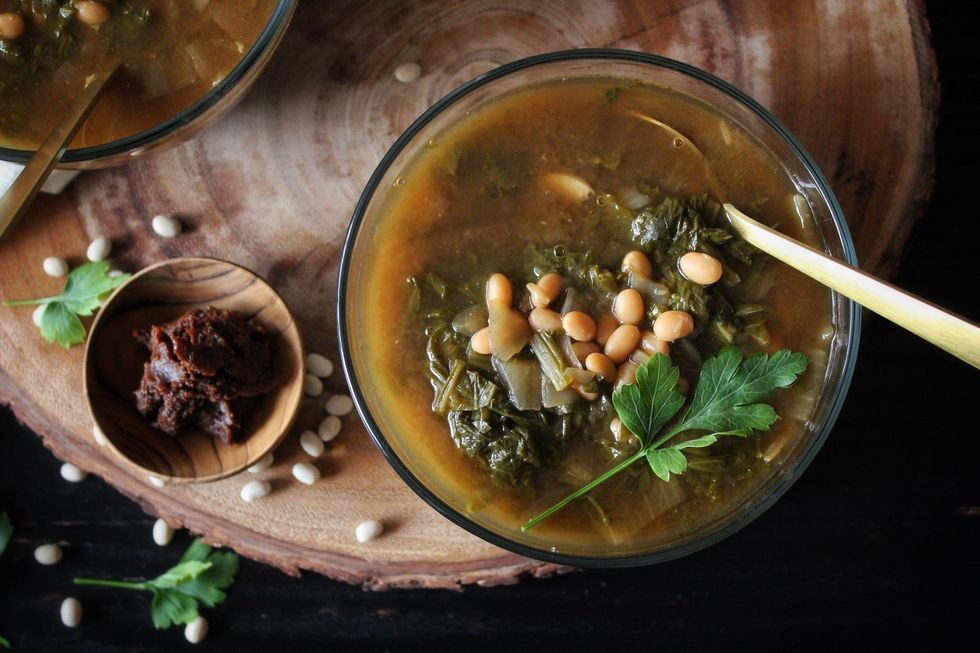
(557, 187)
(185, 63)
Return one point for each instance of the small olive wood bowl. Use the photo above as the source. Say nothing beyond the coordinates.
(114, 364)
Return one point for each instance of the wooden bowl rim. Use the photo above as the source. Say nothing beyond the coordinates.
(291, 334)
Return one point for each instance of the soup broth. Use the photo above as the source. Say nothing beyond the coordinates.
(172, 52)
(472, 202)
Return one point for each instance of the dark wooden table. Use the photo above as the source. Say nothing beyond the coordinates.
(876, 546)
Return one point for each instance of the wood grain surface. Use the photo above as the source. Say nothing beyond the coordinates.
(272, 187)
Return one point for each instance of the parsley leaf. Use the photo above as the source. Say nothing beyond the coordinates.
(199, 578)
(181, 573)
(86, 287)
(6, 530)
(207, 588)
(725, 403)
(169, 608)
(59, 323)
(645, 406)
(729, 387)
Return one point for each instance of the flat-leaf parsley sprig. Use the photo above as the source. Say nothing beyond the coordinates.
(86, 287)
(726, 402)
(200, 577)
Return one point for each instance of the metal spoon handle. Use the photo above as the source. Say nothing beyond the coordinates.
(928, 321)
(18, 197)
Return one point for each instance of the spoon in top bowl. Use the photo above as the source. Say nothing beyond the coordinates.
(27, 184)
(942, 328)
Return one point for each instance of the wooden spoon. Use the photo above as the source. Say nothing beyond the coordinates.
(18, 197)
(928, 321)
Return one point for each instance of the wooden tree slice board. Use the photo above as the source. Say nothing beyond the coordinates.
(273, 185)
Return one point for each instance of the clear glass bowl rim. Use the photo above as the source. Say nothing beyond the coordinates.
(697, 543)
(277, 21)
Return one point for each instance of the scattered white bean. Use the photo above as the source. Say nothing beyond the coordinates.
(311, 443)
(157, 482)
(71, 612)
(368, 530)
(38, 312)
(329, 428)
(312, 385)
(319, 365)
(264, 463)
(73, 474)
(408, 72)
(306, 473)
(165, 226)
(339, 405)
(98, 249)
(115, 273)
(99, 436)
(162, 533)
(48, 554)
(197, 630)
(255, 490)
(55, 267)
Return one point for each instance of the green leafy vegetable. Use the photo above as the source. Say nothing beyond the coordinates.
(200, 577)
(550, 358)
(611, 94)
(726, 402)
(86, 287)
(493, 410)
(580, 266)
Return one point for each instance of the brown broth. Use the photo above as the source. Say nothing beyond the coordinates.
(186, 48)
(447, 214)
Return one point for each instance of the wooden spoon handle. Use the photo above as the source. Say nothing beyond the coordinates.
(18, 197)
(940, 327)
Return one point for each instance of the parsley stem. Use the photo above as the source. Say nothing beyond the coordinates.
(680, 428)
(584, 490)
(143, 585)
(4, 643)
(30, 302)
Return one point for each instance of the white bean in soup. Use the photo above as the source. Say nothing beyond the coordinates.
(673, 325)
(700, 268)
(638, 262)
(499, 289)
(579, 325)
(12, 26)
